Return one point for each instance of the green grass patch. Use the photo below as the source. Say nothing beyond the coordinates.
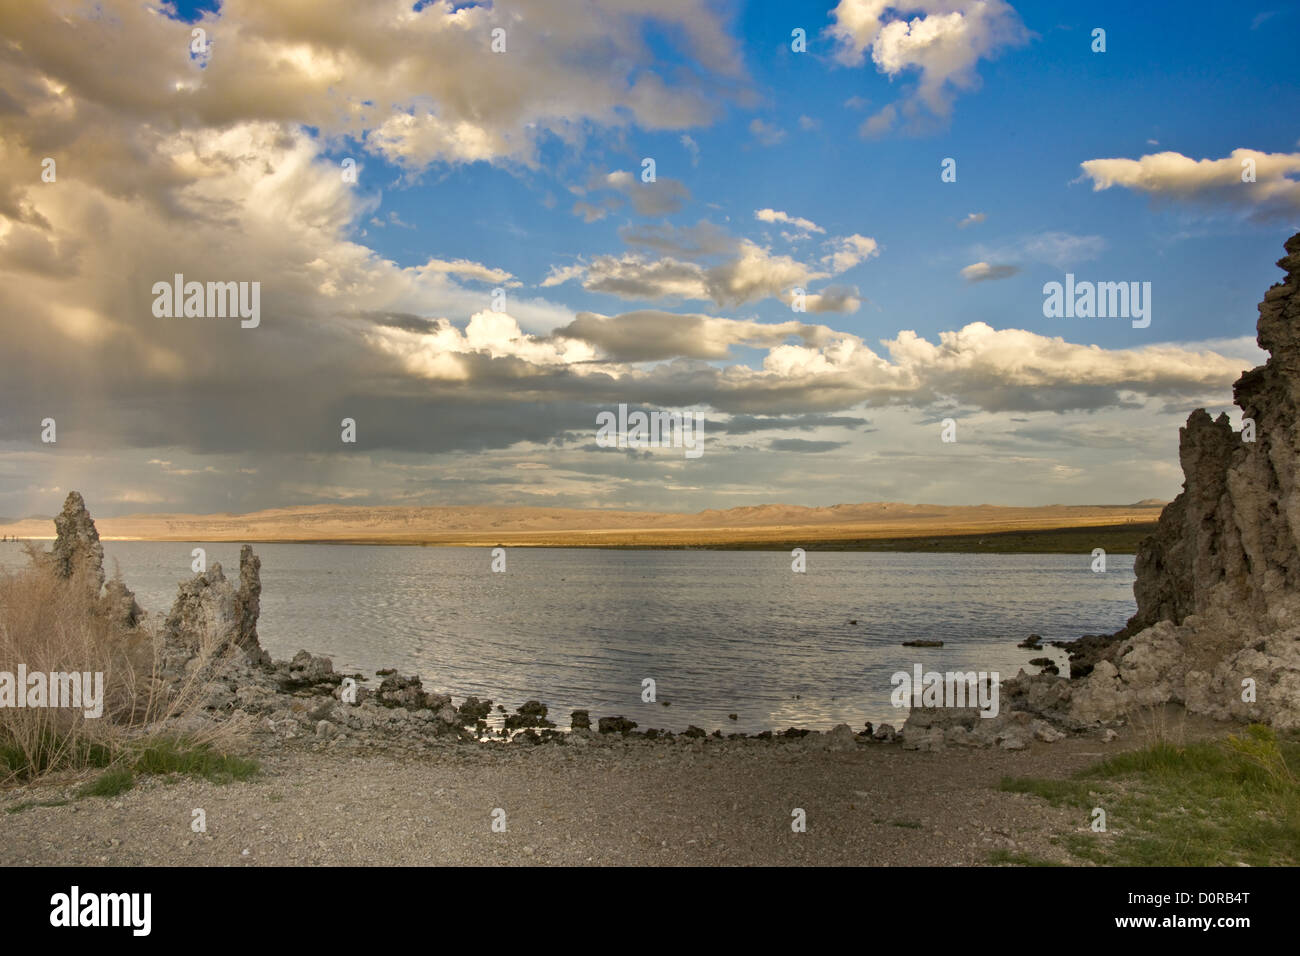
(50, 752)
(110, 783)
(170, 757)
(1212, 803)
(175, 755)
(1007, 858)
(1059, 792)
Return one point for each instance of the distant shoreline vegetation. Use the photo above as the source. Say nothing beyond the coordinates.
(1113, 538)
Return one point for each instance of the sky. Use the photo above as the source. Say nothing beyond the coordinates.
(826, 228)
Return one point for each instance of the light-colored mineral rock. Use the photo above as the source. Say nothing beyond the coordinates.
(76, 545)
(1217, 627)
(1218, 584)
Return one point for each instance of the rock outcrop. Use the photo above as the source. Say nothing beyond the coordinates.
(119, 605)
(1217, 626)
(1228, 548)
(210, 613)
(77, 550)
(248, 601)
(78, 555)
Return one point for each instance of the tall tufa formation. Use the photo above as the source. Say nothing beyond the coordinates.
(1217, 627)
(78, 553)
(76, 546)
(1218, 584)
(248, 600)
(210, 614)
(1227, 549)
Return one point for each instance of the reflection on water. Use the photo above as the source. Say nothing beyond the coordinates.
(720, 632)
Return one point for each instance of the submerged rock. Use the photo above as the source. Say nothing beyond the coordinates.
(531, 713)
(306, 671)
(616, 725)
(473, 710)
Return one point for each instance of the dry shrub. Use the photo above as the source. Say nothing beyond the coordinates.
(52, 624)
(1158, 729)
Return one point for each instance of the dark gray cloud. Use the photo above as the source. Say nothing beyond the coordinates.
(804, 446)
(749, 424)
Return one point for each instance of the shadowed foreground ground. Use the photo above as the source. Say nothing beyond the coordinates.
(636, 803)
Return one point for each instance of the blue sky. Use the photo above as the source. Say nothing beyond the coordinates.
(1040, 111)
(520, 170)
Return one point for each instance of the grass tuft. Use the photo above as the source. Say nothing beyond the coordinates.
(110, 783)
(1213, 803)
(180, 756)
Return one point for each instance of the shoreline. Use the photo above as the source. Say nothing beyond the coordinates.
(1065, 539)
(612, 801)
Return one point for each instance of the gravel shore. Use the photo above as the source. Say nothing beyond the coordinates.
(615, 802)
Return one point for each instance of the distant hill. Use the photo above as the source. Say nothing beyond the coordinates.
(742, 526)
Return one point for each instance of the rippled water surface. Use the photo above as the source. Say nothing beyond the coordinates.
(720, 632)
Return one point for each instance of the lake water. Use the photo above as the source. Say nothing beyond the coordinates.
(719, 632)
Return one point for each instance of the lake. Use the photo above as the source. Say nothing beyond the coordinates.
(720, 632)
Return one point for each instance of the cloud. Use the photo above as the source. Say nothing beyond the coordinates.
(470, 270)
(1171, 175)
(700, 241)
(942, 47)
(749, 424)
(650, 334)
(416, 85)
(974, 219)
(833, 298)
(705, 263)
(561, 274)
(1060, 249)
(590, 213)
(983, 272)
(692, 147)
(231, 173)
(1057, 249)
(636, 277)
(773, 215)
(750, 274)
(849, 252)
(766, 133)
(658, 198)
(804, 446)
